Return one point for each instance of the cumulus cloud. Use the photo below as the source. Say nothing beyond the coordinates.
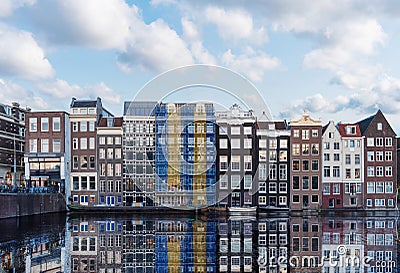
(253, 64)
(155, 46)
(21, 56)
(10, 92)
(100, 24)
(235, 24)
(61, 89)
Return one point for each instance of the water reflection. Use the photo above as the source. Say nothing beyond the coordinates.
(172, 243)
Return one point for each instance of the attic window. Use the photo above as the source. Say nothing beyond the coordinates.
(379, 126)
(110, 122)
(350, 130)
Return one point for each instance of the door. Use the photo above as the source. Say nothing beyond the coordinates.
(235, 199)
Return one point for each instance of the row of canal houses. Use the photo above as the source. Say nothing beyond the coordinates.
(191, 156)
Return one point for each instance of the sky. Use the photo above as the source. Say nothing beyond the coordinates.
(337, 59)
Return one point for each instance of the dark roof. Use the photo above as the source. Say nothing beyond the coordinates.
(139, 108)
(324, 128)
(280, 125)
(85, 103)
(2, 109)
(117, 122)
(365, 123)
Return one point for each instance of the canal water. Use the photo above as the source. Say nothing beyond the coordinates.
(199, 243)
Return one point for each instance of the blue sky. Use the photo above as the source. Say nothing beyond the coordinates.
(337, 59)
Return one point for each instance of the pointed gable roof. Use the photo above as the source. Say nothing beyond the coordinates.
(364, 124)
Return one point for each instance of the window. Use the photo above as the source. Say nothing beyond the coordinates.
(272, 155)
(336, 171)
(235, 143)
(389, 187)
(379, 187)
(110, 169)
(235, 181)
(262, 169)
(91, 126)
(370, 156)
(370, 171)
(235, 162)
(388, 171)
(84, 162)
(296, 199)
(296, 149)
(314, 183)
(283, 143)
(327, 171)
(314, 165)
(235, 130)
(305, 134)
(370, 142)
(223, 182)
(336, 157)
(357, 173)
(282, 172)
(247, 163)
(102, 140)
(91, 162)
(110, 140)
(326, 188)
(336, 188)
(357, 159)
(336, 146)
(348, 160)
(44, 124)
(91, 143)
(379, 141)
(262, 143)
(314, 133)
(348, 173)
(75, 162)
(247, 143)
(75, 126)
(92, 183)
(83, 126)
(283, 155)
(379, 156)
(223, 161)
(56, 124)
(315, 149)
(326, 145)
(326, 157)
(379, 202)
(369, 202)
(296, 133)
(33, 145)
(247, 181)
(296, 182)
(305, 149)
(84, 183)
(296, 165)
(223, 143)
(56, 145)
(273, 144)
(83, 143)
(282, 187)
(110, 153)
(379, 171)
(44, 145)
(272, 187)
(33, 124)
(388, 156)
(117, 153)
(388, 141)
(306, 166)
(370, 187)
(306, 185)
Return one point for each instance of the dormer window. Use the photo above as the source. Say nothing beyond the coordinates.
(351, 130)
(110, 122)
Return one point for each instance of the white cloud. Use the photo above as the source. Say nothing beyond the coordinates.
(192, 36)
(235, 24)
(100, 24)
(60, 89)
(10, 92)
(21, 56)
(7, 7)
(253, 64)
(155, 46)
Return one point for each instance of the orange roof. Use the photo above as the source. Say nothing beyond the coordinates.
(344, 133)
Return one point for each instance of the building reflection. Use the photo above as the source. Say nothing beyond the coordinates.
(172, 243)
